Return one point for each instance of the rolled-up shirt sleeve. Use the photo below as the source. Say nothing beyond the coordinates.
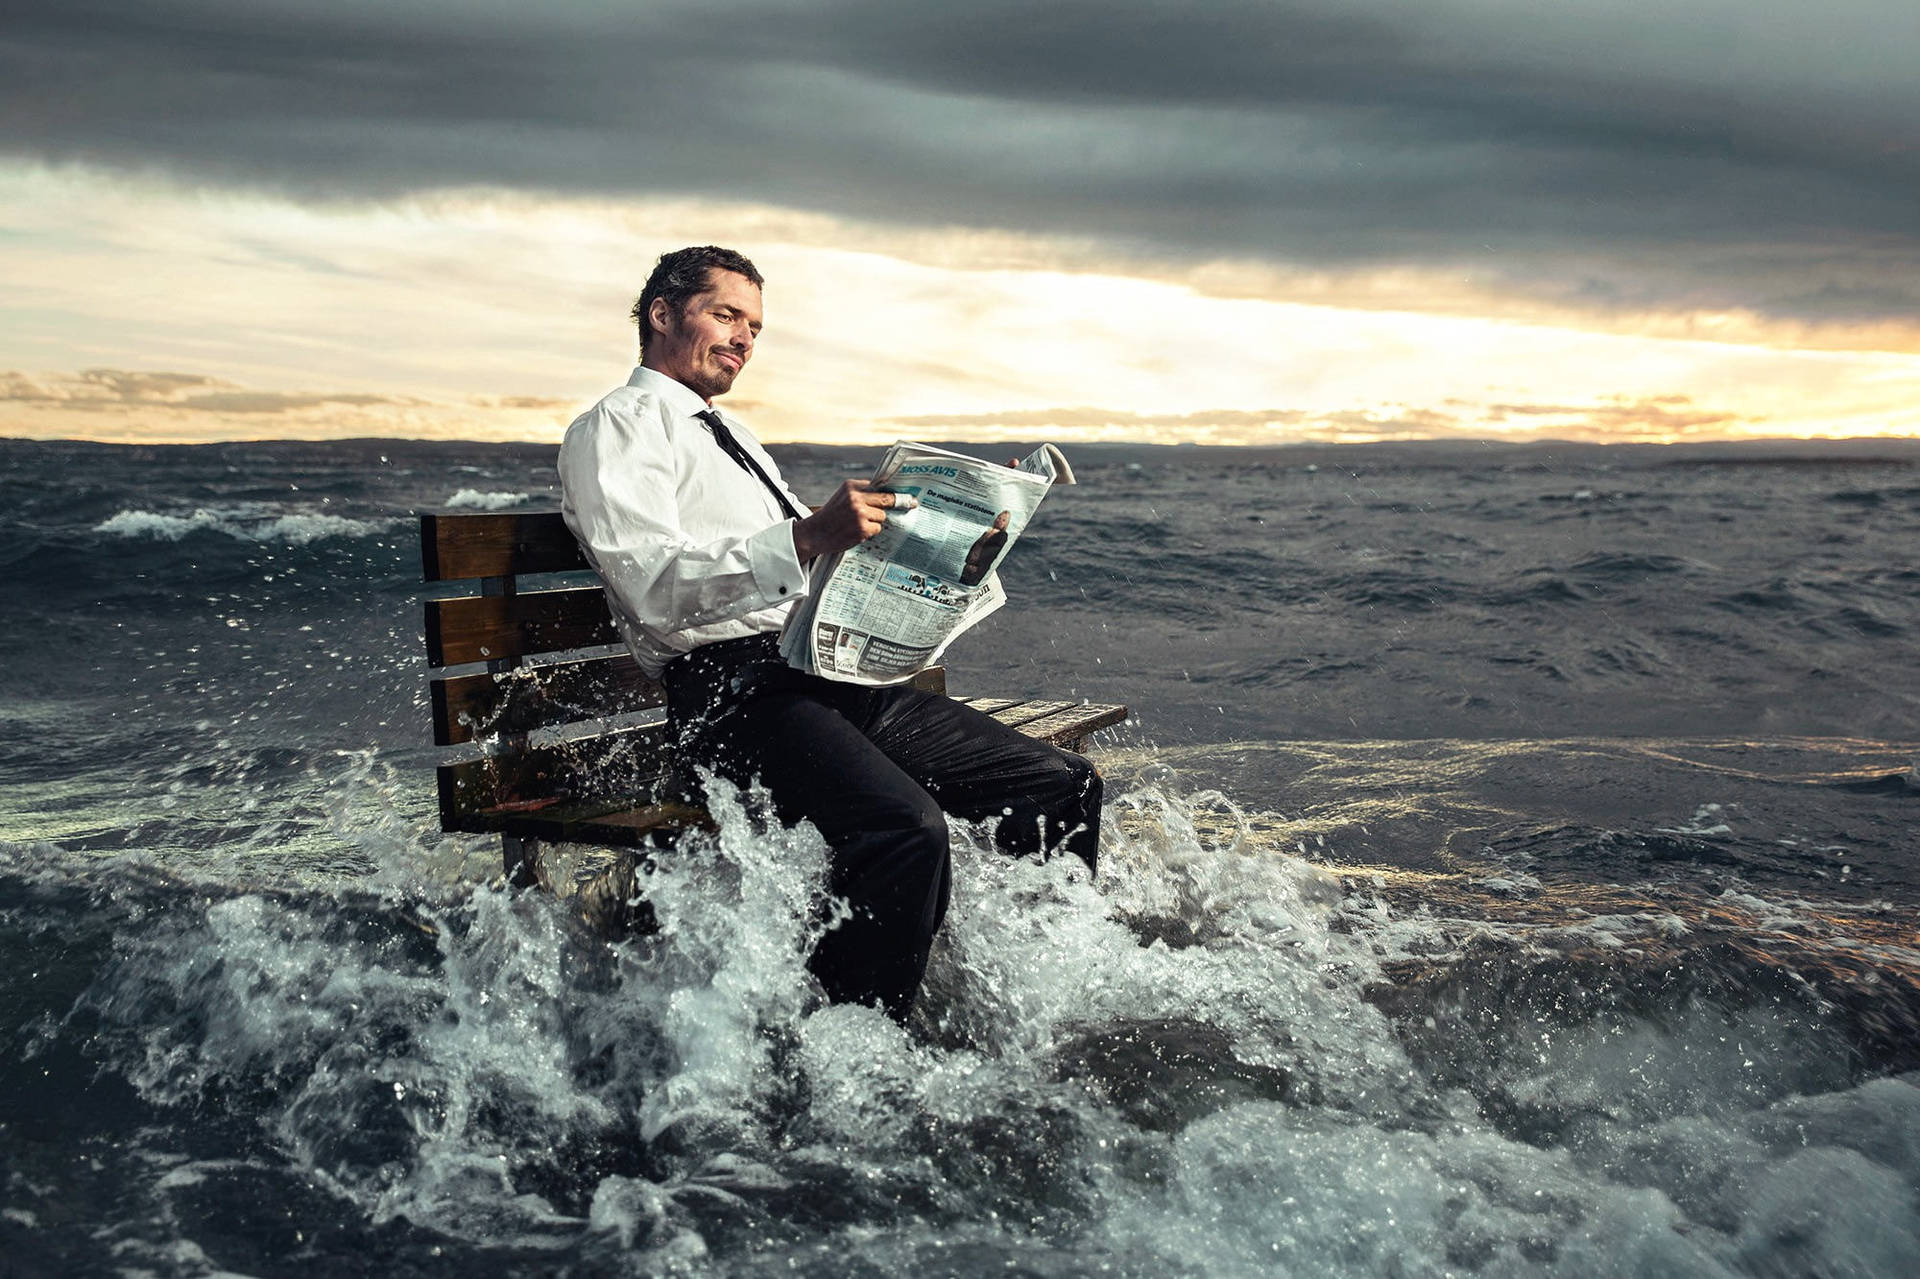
(622, 501)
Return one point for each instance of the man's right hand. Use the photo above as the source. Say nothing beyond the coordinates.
(852, 515)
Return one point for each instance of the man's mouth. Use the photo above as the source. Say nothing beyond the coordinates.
(730, 359)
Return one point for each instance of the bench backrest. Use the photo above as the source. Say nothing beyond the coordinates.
(498, 706)
(500, 629)
(503, 626)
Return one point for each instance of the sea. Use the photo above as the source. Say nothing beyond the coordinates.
(1510, 869)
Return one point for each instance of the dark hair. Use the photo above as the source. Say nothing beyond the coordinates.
(678, 275)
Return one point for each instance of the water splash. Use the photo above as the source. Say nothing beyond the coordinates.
(1195, 1063)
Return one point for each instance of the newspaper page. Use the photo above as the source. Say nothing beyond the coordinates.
(887, 608)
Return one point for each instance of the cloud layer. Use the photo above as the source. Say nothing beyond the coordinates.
(1611, 156)
(158, 406)
(1666, 418)
(130, 390)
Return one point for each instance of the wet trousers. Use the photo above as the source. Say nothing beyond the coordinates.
(876, 769)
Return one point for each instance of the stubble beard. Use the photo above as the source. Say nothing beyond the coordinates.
(713, 378)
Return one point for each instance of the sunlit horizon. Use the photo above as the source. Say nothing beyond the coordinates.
(146, 310)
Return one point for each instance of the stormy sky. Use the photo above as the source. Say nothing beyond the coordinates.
(1601, 159)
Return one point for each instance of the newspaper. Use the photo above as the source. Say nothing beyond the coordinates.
(887, 608)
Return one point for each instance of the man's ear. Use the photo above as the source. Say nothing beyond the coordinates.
(660, 315)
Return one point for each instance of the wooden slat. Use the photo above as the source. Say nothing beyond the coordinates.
(623, 768)
(479, 628)
(594, 822)
(496, 545)
(1027, 712)
(533, 697)
(1015, 713)
(988, 705)
(632, 826)
(1066, 727)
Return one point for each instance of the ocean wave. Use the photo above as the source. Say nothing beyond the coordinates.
(1250, 1066)
(1622, 566)
(474, 499)
(294, 529)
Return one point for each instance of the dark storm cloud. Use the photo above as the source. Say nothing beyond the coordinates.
(1613, 155)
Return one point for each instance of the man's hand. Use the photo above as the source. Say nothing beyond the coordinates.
(852, 515)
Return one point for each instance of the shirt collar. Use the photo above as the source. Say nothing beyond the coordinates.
(678, 396)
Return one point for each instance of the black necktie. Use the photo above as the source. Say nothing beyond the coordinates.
(724, 438)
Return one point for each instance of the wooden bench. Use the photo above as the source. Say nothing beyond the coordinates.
(557, 740)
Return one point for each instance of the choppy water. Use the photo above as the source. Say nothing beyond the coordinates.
(1511, 871)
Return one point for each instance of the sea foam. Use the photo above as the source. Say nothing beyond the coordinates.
(475, 500)
(293, 528)
(1181, 1065)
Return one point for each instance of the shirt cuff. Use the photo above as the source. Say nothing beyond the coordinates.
(776, 566)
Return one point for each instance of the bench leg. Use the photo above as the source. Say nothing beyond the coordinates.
(523, 863)
(608, 902)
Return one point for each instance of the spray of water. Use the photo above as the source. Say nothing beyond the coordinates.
(1183, 1066)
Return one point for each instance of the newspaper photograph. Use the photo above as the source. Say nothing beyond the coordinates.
(887, 608)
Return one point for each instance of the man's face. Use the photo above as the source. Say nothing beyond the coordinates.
(705, 346)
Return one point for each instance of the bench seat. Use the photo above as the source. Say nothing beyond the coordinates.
(636, 818)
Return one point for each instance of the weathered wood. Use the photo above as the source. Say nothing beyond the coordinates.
(496, 545)
(637, 825)
(535, 697)
(1066, 724)
(621, 768)
(1071, 727)
(480, 628)
(1020, 714)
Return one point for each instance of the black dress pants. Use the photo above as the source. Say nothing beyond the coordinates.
(876, 769)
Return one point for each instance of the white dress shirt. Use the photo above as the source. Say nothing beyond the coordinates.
(692, 547)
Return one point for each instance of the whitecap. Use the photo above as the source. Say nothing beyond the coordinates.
(152, 524)
(295, 529)
(474, 499)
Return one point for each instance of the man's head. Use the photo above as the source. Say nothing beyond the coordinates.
(698, 317)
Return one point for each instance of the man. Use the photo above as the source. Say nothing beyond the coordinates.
(704, 551)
